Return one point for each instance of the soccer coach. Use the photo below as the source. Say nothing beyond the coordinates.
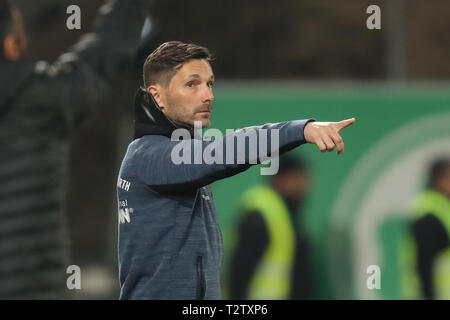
(170, 244)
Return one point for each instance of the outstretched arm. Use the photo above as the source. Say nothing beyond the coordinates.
(158, 168)
(158, 165)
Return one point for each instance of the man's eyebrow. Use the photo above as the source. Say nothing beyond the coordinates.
(197, 76)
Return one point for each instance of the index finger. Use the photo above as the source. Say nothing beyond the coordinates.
(345, 123)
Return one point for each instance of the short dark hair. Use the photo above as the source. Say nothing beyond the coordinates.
(6, 19)
(162, 64)
(437, 168)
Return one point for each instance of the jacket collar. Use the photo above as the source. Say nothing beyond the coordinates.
(150, 120)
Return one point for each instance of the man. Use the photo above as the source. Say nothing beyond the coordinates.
(270, 258)
(170, 245)
(431, 233)
(41, 105)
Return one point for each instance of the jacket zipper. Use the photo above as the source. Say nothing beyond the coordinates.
(200, 279)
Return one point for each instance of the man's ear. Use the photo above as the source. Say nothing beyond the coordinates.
(11, 48)
(157, 91)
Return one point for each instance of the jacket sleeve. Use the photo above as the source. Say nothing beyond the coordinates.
(81, 77)
(156, 167)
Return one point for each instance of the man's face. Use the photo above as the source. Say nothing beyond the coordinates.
(189, 96)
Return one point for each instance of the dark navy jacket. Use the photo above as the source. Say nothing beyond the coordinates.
(170, 244)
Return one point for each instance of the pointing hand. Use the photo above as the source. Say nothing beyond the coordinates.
(326, 134)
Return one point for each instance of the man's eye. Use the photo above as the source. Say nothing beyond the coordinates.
(190, 84)
(211, 84)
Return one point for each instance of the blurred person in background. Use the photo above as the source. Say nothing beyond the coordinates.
(425, 254)
(41, 105)
(270, 255)
(431, 232)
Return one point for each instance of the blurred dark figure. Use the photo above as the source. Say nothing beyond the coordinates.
(270, 258)
(41, 105)
(431, 232)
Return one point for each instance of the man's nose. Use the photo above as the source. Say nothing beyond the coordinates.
(208, 95)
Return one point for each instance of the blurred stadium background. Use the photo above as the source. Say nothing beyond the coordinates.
(275, 61)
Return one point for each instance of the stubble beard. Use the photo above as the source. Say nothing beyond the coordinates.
(181, 115)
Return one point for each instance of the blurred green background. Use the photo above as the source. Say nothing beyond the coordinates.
(381, 113)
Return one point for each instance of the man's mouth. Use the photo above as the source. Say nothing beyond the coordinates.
(204, 111)
(207, 109)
